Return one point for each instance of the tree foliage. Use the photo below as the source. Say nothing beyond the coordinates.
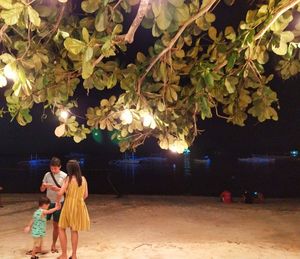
(193, 71)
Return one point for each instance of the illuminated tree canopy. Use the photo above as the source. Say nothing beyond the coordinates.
(193, 71)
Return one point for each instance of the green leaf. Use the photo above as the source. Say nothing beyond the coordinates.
(90, 6)
(74, 46)
(181, 14)
(176, 3)
(101, 20)
(230, 33)
(6, 4)
(118, 29)
(156, 7)
(7, 58)
(208, 78)
(12, 16)
(287, 36)
(140, 57)
(212, 33)
(210, 17)
(164, 18)
(85, 35)
(87, 69)
(112, 81)
(88, 54)
(230, 87)
(280, 50)
(34, 16)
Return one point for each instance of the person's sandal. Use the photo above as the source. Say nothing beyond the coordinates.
(34, 257)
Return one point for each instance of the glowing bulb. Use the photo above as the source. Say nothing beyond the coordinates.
(178, 146)
(148, 121)
(173, 148)
(10, 72)
(64, 114)
(126, 117)
(3, 81)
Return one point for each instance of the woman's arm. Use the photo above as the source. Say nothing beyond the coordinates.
(62, 190)
(86, 193)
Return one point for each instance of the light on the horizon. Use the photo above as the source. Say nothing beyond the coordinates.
(126, 117)
(294, 153)
(10, 72)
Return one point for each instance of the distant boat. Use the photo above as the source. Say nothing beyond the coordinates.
(124, 161)
(135, 161)
(34, 162)
(257, 159)
(203, 160)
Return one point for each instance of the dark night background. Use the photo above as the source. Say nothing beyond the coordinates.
(267, 137)
(219, 139)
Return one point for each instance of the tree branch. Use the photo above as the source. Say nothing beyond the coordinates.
(202, 11)
(276, 16)
(2, 30)
(62, 10)
(129, 36)
(98, 60)
(117, 4)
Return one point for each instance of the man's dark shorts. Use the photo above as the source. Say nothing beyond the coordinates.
(55, 214)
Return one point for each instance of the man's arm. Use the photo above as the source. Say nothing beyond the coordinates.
(43, 186)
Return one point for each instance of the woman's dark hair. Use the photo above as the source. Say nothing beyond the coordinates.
(43, 200)
(55, 161)
(73, 169)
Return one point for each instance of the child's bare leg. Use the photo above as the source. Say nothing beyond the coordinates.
(34, 250)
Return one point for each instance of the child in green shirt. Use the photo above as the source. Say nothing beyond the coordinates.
(38, 225)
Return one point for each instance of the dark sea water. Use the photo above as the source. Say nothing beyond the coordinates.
(178, 175)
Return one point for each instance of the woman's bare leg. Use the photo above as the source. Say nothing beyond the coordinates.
(63, 243)
(74, 240)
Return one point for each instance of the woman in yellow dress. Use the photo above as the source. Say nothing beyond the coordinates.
(74, 214)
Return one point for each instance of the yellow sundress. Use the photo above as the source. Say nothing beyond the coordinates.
(74, 213)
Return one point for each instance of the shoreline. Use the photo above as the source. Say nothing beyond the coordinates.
(138, 226)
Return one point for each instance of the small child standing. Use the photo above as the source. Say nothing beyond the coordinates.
(38, 225)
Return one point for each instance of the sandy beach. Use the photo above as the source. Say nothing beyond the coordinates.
(166, 227)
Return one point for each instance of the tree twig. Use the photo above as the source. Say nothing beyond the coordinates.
(117, 4)
(276, 16)
(2, 30)
(129, 36)
(201, 12)
(62, 10)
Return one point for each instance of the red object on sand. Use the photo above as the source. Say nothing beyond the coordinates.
(226, 197)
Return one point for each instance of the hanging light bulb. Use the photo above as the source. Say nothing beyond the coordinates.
(3, 81)
(148, 121)
(64, 114)
(126, 117)
(10, 72)
(178, 146)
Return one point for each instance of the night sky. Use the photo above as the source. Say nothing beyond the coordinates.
(219, 136)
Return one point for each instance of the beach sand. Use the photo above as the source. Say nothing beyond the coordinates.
(170, 227)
